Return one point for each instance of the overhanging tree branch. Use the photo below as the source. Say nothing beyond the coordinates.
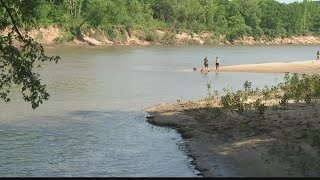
(13, 20)
(17, 65)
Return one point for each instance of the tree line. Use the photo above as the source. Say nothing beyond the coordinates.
(233, 18)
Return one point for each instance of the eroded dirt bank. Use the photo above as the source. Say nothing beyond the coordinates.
(51, 36)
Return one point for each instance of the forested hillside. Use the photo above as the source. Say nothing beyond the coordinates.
(231, 18)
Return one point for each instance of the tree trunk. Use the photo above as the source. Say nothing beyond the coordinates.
(74, 7)
(79, 11)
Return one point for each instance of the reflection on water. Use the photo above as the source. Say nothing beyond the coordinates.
(94, 125)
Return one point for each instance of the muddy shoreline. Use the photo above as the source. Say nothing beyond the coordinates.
(224, 143)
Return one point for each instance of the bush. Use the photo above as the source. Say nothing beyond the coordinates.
(257, 33)
(150, 36)
(111, 33)
(295, 87)
(209, 41)
(234, 101)
(168, 39)
(66, 37)
(260, 107)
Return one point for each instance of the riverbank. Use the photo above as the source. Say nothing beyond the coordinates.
(307, 67)
(54, 36)
(225, 143)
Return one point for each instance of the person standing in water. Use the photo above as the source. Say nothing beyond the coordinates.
(318, 56)
(205, 61)
(217, 63)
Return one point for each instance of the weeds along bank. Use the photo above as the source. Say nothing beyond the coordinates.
(278, 125)
(52, 35)
(295, 88)
(291, 109)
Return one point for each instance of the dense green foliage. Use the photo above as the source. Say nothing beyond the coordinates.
(20, 55)
(233, 18)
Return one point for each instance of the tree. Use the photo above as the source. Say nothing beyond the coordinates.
(220, 19)
(20, 55)
(251, 12)
(272, 18)
(315, 18)
(164, 10)
(237, 26)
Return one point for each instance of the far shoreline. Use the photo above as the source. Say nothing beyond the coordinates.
(53, 36)
(180, 45)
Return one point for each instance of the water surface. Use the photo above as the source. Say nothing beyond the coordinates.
(94, 125)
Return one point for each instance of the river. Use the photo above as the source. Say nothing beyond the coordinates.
(94, 124)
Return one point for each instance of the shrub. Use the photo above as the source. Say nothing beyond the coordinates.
(247, 86)
(66, 37)
(151, 36)
(260, 107)
(284, 100)
(111, 33)
(295, 87)
(209, 90)
(234, 101)
(168, 39)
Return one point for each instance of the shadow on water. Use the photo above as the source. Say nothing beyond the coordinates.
(92, 143)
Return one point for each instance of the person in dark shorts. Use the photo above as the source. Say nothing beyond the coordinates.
(217, 63)
(205, 61)
(318, 56)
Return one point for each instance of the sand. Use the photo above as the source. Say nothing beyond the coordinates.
(224, 143)
(280, 143)
(307, 67)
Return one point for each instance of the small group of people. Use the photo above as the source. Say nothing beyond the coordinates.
(206, 65)
(318, 56)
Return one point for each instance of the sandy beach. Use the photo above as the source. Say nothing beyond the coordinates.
(307, 67)
(284, 141)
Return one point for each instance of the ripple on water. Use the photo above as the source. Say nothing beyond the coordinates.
(99, 144)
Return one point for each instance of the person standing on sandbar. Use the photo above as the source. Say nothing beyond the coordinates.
(318, 56)
(205, 62)
(217, 63)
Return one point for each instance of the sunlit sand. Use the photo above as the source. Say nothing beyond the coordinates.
(308, 67)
